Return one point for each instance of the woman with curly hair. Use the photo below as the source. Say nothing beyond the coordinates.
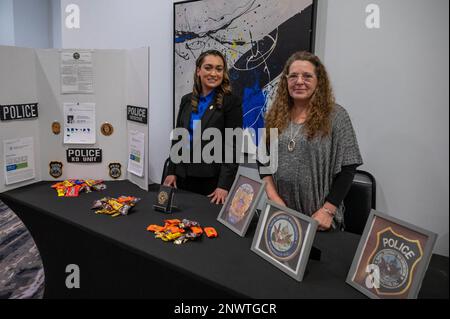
(210, 105)
(317, 148)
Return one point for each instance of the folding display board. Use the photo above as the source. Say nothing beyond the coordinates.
(120, 79)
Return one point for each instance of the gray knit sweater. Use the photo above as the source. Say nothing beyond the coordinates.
(304, 176)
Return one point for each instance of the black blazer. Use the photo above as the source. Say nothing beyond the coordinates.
(228, 116)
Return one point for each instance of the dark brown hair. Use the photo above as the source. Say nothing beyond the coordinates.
(223, 89)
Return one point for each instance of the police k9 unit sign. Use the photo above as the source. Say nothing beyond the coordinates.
(84, 155)
(18, 111)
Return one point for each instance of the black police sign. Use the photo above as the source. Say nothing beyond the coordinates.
(137, 114)
(84, 155)
(18, 111)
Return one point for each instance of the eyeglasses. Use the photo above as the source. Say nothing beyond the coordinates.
(306, 77)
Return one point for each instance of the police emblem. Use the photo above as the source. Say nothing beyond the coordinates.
(162, 198)
(241, 202)
(56, 128)
(396, 257)
(115, 170)
(107, 129)
(283, 236)
(55, 169)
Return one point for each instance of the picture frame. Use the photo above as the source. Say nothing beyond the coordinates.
(284, 238)
(240, 206)
(391, 259)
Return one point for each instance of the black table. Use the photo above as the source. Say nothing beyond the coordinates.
(119, 258)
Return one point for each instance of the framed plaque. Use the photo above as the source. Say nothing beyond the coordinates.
(284, 238)
(239, 207)
(391, 259)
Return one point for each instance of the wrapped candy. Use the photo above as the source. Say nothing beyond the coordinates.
(113, 206)
(178, 231)
(73, 187)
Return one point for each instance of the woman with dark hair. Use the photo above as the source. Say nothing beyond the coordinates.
(210, 105)
(317, 148)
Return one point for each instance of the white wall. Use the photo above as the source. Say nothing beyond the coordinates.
(26, 23)
(6, 22)
(106, 24)
(32, 23)
(394, 83)
(56, 29)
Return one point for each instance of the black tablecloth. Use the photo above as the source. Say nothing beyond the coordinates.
(119, 258)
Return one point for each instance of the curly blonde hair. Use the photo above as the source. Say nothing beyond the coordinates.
(318, 121)
(223, 89)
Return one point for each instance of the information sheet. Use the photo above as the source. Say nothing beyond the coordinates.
(18, 159)
(79, 123)
(136, 141)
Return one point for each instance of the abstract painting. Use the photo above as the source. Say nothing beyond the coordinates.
(256, 37)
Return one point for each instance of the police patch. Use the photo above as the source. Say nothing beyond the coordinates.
(396, 258)
(241, 203)
(115, 170)
(55, 169)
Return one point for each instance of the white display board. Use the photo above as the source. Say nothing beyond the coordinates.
(33, 75)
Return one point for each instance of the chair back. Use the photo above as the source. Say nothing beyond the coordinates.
(361, 198)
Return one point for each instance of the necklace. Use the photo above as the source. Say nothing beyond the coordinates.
(291, 144)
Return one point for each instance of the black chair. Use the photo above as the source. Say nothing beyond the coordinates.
(165, 171)
(360, 199)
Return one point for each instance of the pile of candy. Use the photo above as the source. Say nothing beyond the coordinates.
(180, 231)
(73, 187)
(115, 206)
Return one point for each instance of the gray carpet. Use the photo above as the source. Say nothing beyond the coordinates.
(21, 270)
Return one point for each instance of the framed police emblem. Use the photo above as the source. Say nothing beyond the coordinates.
(391, 259)
(239, 207)
(284, 238)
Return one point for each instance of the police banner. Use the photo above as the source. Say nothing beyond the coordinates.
(84, 155)
(137, 114)
(18, 111)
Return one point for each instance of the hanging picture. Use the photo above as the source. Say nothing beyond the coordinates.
(255, 36)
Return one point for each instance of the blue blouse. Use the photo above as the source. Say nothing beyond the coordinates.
(203, 103)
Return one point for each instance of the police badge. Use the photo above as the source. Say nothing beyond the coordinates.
(284, 237)
(55, 169)
(392, 258)
(164, 199)
(115, 170)
(239, 207)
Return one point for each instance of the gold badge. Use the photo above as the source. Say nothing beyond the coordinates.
(107, 129)
(56, 128)
(162, 197)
